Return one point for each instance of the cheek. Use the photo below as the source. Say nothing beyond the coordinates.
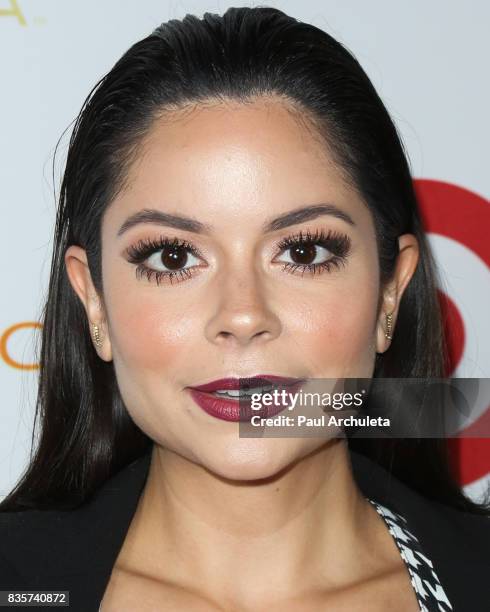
(336, 331)
(150, 332)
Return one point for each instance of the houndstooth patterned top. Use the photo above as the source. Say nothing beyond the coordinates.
(429, 591)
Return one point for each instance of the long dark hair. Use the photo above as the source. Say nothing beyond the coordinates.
(86, 434)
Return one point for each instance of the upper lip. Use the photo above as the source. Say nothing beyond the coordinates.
(259, 380)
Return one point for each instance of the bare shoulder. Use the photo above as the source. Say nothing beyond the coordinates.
(391, 592)
(128, 591)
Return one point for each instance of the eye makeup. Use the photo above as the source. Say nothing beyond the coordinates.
(175, 251)
(336, 245)
(333, 248)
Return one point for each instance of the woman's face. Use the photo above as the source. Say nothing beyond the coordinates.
(239, 303)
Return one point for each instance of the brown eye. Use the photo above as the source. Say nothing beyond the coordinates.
(174, 257)
(307, 254)
(171, 258)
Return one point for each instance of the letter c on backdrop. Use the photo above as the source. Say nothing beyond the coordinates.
(4, 354)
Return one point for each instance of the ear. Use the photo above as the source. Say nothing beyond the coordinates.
(81, 280)
(405, 267)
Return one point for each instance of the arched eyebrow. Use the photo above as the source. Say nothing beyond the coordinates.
(157, 217)
(292, 217)
(307, 213)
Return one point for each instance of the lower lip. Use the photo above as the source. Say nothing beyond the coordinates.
(228, 409)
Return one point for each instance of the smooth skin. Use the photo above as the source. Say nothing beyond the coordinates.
(230, 523)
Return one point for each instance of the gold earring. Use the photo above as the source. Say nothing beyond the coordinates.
(389, 326)
(97, 339)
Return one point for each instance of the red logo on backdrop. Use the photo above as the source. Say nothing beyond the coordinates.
(464, 216)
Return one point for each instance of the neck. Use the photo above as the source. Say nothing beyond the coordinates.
(308, 521)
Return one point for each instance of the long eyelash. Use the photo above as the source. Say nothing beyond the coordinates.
(144, 248)
(159, 275)
(338, 244)
(139, 252)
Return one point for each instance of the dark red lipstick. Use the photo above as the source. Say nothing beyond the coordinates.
(239, 408)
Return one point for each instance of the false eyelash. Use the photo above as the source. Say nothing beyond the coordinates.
(158, 275)
(143, 249)
(338, 244)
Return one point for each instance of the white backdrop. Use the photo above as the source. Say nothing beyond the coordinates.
(428, 61)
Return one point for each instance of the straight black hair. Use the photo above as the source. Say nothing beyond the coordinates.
(86, 434)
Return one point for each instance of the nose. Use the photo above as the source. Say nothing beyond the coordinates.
(242, 314)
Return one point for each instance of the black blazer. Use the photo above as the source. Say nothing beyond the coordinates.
(76, 550)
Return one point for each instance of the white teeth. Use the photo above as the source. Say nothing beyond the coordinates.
(243, 392)
(231, 392)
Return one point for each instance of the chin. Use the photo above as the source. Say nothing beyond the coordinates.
(254, 458)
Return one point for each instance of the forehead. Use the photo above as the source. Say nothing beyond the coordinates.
(260, 133)
(216, 158)
(226, 120)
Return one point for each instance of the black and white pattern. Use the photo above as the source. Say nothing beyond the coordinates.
(429, 591)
